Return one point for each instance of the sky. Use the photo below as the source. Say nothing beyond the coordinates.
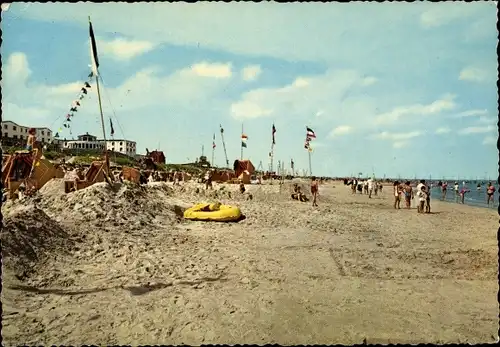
(394, 89)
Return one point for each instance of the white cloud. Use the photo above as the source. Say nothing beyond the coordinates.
(305, 96)
(385, 135)
(368, 81)
(477, 130)
(26, 101)
(300, 82)
(123, 49)
(341, 130)
(443, 130)
(399, 140)
(444, 104)
(400, 144)
(248, 109)
(490, 140)
(251, 73)
(474, 74)
(215, 70)
(444, 13)
(472, 113)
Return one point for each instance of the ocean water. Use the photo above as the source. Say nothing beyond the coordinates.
(474, 197)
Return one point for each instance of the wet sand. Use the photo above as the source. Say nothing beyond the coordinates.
(352, 270)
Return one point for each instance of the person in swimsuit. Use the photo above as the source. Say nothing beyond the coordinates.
(397, 193)
(314, 190)
(427, 199)
(444, 187)
(31, 139)
(489, 193)
(408, 192)
(463, 191)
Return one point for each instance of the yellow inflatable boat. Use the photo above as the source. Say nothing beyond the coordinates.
(213, 212)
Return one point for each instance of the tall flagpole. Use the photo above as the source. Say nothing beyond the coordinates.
(213, 150)
(95, 68)
(310, 166)
(224, 144)
(241, 156)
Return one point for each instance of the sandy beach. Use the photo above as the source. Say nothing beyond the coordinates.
(104, 267)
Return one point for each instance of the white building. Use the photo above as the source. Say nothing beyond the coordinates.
(14, 131)
(90, 142)
(83, 142)
(122, 146)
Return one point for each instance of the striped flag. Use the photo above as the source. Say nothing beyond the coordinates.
(213, 143)
(93, 50)
(307, 144)
(310, 133)
(274, 132)
(244, 139)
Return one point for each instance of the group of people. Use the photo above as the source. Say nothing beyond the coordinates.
(405, 190)
(461, 192)
(369, 186)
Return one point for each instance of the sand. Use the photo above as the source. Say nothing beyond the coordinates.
(120, 267)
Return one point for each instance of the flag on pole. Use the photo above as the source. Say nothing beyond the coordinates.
(310, 133)
(213, 142)
(292, 164)
(112, 132)
(244, 140)
(93, 50)
(274, 131)
(221, 130)
(307, 143)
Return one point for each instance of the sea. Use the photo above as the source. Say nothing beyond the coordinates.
(473, 198)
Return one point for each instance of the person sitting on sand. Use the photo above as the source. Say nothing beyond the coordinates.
(314, 190)
(242, 188)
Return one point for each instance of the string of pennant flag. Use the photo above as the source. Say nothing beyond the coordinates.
(74, 106)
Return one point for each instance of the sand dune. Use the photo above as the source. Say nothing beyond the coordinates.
(102, 266)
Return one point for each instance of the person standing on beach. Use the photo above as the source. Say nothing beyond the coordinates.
(314, 190)
(408, 192)
(31, 139)
(456, 190)
(428, 198)
(422, 196)
(444, 187)
(397, 194)
(490, 191)
(370, 187)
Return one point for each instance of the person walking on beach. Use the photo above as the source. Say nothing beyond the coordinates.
(397, 194)
(314, 190)
(490, 191)
(408, 192)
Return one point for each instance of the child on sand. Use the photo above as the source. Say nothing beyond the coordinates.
(408, 192)
(314, 190)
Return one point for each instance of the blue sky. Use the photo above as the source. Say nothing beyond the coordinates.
(406, 88)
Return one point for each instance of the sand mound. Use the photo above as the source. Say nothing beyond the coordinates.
(123, 203)
(27, 235)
